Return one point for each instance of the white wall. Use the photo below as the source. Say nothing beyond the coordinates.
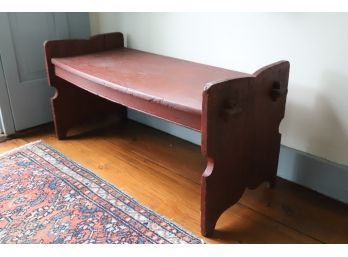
(316, 119)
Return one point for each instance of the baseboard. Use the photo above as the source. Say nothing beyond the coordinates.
(2, 138)
(320, 175)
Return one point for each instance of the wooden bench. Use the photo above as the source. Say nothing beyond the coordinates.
(237, 113)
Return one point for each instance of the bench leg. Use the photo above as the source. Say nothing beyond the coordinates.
(240, 138)
(222, 186)
(72, 106)
(226, 142)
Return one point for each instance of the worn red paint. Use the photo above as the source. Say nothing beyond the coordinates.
(237, 113)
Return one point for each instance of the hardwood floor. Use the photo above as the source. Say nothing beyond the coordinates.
(163, 173)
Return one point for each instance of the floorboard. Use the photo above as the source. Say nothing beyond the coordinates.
(163, 173)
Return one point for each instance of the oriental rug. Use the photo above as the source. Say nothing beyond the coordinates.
(47, 198)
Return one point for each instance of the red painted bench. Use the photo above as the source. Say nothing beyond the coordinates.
(237, 113)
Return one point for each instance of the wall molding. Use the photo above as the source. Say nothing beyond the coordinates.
(320, 175)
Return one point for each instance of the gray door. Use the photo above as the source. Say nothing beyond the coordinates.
(21, 51)
(6, 120)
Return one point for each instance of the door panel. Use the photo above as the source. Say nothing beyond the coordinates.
(21, 48)
(30, 64)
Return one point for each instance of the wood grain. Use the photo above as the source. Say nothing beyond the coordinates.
(172, 82)
(240, 137)
(238, 114)
(70, 105)
(140, 161)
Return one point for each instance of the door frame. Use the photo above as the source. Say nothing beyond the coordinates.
(6, 119)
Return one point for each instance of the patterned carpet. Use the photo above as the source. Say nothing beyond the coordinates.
(47, 198)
